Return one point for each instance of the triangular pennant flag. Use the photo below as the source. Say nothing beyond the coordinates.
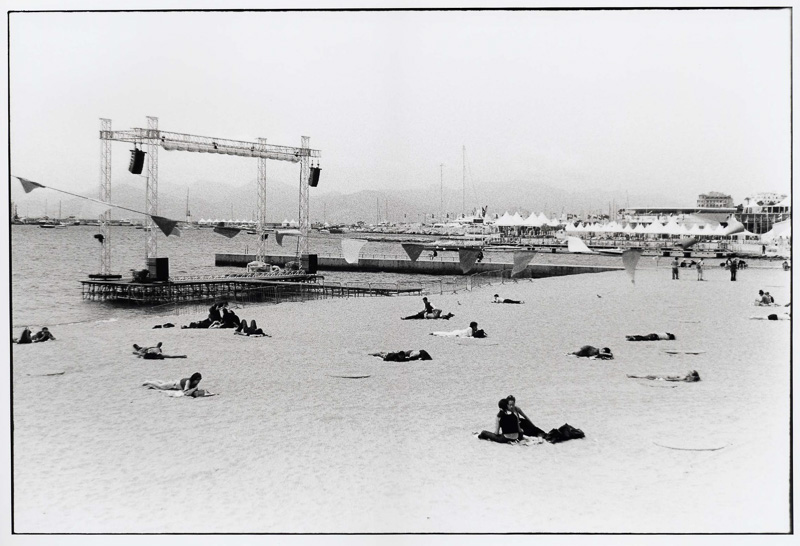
(279, 235)
(467, 257)
(29, 185)
(351, 248)
(629, 259)
(227, 231)
(521, 260)
(166, 225)
(413, 250)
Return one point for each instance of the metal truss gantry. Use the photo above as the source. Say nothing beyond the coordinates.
(153, 138)
(105, 196)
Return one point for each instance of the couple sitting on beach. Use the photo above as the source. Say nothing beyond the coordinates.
(186, 386)
(219, 316)
(691, 377)
(765, 299)
(472, 331)
(253, 330)
(40, 336)
(429, 313)
(153, 353)
(594, 353)
(512, 425)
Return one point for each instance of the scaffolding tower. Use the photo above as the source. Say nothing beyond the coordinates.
(153, 138)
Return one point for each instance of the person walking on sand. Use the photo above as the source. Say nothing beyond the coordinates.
(675, 266)
(699, 266)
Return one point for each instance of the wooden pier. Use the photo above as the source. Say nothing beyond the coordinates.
(240, 288)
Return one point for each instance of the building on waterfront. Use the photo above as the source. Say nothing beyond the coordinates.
(714, 199)
(760, 211)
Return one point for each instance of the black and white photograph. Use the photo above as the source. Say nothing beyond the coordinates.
(434, 269)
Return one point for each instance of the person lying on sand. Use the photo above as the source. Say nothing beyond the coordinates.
(594, 352)
(430, 312)
(404, 356)
(651, 337)
(43, 335)
(188, 386)
(691, 377)
(506, 427)
(773, 316)
(505, 300)
(253, 330)
(153, 353)
(24, 337)
(472, 331)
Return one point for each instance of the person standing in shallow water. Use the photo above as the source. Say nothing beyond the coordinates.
(674, 265)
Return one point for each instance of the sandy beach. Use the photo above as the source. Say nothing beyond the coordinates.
(288, 447)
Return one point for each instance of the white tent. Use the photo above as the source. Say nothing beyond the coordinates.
(672, 227)
(639, 229)
(531, 221)
(516, 220)
(543, 219)
(655, 227)
(779, 229)
(553, 222)
(504, 220)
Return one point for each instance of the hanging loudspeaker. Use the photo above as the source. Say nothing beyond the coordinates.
(313, 178)
(137, 161)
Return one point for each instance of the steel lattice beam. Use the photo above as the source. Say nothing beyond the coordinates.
(305, 169)
(105, 196)
(151, 249)
(262, 204)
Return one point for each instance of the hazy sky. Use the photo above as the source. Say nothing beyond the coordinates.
(691, 101)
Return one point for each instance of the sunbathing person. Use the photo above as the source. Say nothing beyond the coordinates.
(430, 312)
(24, 337)
(153, 353)
(505, 300)
(652, 337)
(691, 377)
(188, 385)
(773, 316)
(43, 335)
(404, 356)
(506, 427)
(472, 331)
(229, 319)
(253, 330)
(594, 352)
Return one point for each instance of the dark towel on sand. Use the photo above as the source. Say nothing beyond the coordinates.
(563, 433)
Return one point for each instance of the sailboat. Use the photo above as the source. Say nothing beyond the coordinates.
(54, 224)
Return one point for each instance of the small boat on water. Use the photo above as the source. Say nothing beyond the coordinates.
(53, 225)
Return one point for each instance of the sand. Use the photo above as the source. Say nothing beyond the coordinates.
(287, 448)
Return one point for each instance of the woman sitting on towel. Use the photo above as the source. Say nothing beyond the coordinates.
(25, 336)
(253, 330)
(594, 352)
(505, 300)
(526, 426)
(404, 356)
(507, 422)
(472, 331)
(691, 377)
(652, 337)
(187, 385)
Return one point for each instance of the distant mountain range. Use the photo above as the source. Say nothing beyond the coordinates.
(215, 200)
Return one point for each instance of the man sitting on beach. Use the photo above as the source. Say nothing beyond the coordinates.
(472, 331)
(43, 335)
(651, 337)
(428, 313)
(594, 352)
(506, 300)
(691, 377)
(404, 356)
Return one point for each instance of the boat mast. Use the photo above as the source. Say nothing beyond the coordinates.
(463, 179)
(441, 190)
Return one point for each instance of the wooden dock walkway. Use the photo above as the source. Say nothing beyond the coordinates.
(240, 288)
